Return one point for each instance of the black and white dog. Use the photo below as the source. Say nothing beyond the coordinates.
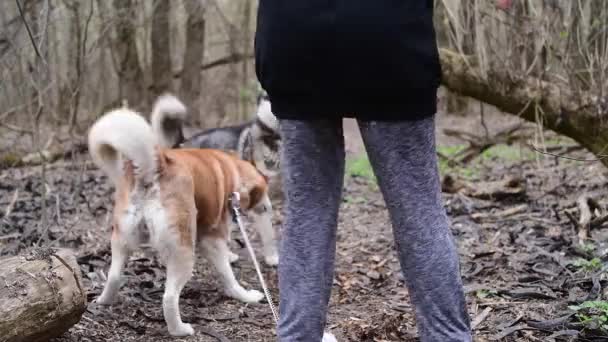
(257, 141)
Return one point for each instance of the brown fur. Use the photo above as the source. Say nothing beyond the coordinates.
(208, 176)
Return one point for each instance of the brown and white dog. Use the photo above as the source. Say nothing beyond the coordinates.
(182, 197)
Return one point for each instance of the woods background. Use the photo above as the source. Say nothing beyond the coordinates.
(93, 54)
(528, 206)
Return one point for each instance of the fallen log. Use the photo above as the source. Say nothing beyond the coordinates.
(576, 114)
(47, 155)
(41, 295)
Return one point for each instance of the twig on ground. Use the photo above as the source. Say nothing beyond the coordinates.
(480, 318)
(587, 206)
(535, 149)
(584, 218)
(11, 205)
(479, 144)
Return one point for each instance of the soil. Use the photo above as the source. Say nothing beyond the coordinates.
(518, 255)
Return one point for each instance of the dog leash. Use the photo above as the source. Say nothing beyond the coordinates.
(235, 205)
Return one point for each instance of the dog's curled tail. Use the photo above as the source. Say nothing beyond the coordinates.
(168, 116)
(122, 135)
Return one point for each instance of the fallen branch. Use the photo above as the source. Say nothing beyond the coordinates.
(478, 144)
(585, 218)
(11, 205)
(480, 318)
(508, 331)
(494, 190)
(500, 214)
(575, 114)
(48, 155)
(230, 59)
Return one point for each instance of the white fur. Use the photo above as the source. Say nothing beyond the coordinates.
(119, 133)
(261, 153)
(265, 115)
(180, 259)
(125, 240)
(120, 254)
(262, 221)
(166, 106)
(179, 270)
(217, 252)
(329, 337)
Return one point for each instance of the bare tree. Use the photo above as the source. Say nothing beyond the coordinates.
(245, 96)
(70, 90)
(161, 51)
(98, 53)
(191, 78)
(125, 55)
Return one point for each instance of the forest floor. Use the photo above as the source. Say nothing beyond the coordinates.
(526, 277)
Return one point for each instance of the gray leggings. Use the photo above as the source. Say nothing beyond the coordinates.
(403, 158)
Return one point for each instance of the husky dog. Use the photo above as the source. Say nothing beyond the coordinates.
(257, 141)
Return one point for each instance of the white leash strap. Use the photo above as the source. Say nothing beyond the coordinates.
(235, 203)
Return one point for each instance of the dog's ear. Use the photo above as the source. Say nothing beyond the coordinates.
(266, 118)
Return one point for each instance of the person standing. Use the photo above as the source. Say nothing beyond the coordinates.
(376, 61)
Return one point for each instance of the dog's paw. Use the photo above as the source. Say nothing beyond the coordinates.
(272, 259)
(253, 296)
(184, 329)
(328, 337)
(239, 293)
(104, 300)
(233, 257)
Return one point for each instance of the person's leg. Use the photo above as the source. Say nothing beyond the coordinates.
(312, 163)
(404, 160)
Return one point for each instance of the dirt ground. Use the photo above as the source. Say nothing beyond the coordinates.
(520, 263)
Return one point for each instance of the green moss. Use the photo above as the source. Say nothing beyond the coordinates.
(360, 167)
(507, 153)
(592, 314)
(9, 160)
(450, 150)
(592, 265)
(449, 166)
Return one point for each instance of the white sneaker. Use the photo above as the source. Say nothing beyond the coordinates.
(328, 337)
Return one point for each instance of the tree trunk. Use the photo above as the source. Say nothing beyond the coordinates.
(193, 58)
(41, 295)
(130, 75)
(246, 33)
(161, 50)
(232, 79)
(455, 19)
(575, 115)
(69, 98)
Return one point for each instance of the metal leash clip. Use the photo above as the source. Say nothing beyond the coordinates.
(235, 206)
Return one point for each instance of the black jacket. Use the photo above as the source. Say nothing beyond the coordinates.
(368, 59)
